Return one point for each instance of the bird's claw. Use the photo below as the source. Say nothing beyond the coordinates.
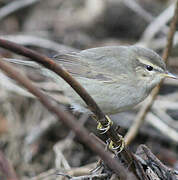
(107, 126)
(120, 147)
(98, 167)
(112, 145)
(103, 130)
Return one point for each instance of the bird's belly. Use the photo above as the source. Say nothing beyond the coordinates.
(119, 101)
(111, 99)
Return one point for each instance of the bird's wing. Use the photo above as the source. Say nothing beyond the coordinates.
(104, 62)
(81, 66)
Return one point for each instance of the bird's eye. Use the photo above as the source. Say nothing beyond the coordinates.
(149, 68)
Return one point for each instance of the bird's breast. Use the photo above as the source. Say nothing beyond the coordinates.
(112, 98)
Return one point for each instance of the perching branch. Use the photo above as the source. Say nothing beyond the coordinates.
(14, 6)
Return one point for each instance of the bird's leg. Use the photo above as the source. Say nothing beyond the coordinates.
(112, 145)
(119, 147)
(99, 164)
(105, 128)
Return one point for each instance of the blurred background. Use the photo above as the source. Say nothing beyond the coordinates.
(30, 137)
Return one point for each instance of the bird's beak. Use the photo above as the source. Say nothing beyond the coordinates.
(170, 75)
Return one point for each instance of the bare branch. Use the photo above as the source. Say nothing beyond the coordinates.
(162, 127)
(15, 6)
(31, 40)
(157, 24)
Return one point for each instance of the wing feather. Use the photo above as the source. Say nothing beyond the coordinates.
(78, 67)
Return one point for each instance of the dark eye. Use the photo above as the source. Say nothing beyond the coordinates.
(149, 68)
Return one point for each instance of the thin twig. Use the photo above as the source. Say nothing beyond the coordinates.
(92, 176)
(134, 6)
(162, 127)
(15, 6)
(31, 40)
(157, 24)
(66, 118)
(167, 50)
(159, 43)
(144, 110)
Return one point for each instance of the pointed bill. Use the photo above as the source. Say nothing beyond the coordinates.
(170, 75)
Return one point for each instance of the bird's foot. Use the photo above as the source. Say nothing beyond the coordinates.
(119, 147)
(98, 166)
(113, 146)
(105, 128)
